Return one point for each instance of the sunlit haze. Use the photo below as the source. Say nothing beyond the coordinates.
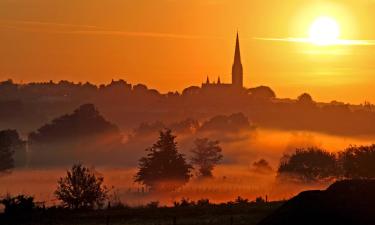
(170, 45)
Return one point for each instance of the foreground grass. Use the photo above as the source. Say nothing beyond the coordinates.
(210, 214)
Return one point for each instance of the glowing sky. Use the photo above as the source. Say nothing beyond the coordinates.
(172, 44)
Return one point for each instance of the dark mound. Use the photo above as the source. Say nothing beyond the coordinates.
(86, 121)
(344, 202)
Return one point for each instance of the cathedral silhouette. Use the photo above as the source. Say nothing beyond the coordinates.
(237, 73)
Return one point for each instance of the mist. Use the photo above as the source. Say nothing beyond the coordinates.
(235, 176)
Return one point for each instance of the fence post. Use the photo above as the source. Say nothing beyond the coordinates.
(231, 220)
(107, 220)
(174, 221)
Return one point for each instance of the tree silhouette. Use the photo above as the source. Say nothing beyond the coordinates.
(164, 168)
(18, 205)
(85, 121)
(309, 165)
(9, 143)
(305, 99)
(358, 161)
(262, 166)
(262, 93)
(206, 154)
(81, 188)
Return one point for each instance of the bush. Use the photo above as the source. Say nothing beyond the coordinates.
(358, 161)
(309, 165)
(81, 188)
(18, 205)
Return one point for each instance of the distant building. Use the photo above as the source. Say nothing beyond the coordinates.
(237, 73)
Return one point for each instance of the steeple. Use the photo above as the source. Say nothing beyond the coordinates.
(218, 80)
(208, 80)
(237, 53)
(237, 70)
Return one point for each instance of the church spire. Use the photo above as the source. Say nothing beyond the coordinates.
(208, 80)
(237, 70)
(237, 53)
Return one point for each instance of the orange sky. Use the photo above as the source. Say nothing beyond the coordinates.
(172, 44)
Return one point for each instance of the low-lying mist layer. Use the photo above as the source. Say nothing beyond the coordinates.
(236, 176)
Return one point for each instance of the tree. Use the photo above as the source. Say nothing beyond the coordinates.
(164, 168)
(309, 165)
(81, 188)
(18, 205)
(358, 161)
(262, 93)
(305, 99)
(84, 122)
(9, 143)
(262, 166)
(206, 155)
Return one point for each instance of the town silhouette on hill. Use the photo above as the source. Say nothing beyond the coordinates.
(27, 106)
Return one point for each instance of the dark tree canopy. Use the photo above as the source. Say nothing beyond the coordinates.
(358, 161)
(164, 168)
(309, 165)
(81, 188)
(233, 122)
(262, 166)
(10, 142)
(262, 92)
(305, 99)
(18, 205)
(206, 155)
(85, 121)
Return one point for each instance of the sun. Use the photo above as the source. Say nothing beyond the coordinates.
(324, 31)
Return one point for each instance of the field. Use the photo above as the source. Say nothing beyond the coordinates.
(232, 213)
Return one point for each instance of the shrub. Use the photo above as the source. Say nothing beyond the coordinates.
(81, 188)
(309, 165)
(358, 161)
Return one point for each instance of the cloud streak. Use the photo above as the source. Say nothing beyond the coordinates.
(308, 41)
(61, 28)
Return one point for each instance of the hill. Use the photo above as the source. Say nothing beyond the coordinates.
(344, 202)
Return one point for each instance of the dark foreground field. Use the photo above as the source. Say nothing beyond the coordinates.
(222, 214)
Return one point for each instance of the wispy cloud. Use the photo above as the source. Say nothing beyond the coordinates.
(61, 28)
(308, 41)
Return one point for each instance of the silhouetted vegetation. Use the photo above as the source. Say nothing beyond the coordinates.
(262, 166)
(81, 188)
(358, 162)
(305, 99)
(83, 122)
(30, 105)
(72, 137)
(164, 168)
(262, 93)
(206, 155)
(315, 165)
(10, 143)
(233, 122)
(309, 165)
(184, 211)
(18, 209)
(18, 205)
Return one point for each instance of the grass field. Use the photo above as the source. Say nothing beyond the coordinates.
(232, 213)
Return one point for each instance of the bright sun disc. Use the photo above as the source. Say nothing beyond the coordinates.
(324, 31)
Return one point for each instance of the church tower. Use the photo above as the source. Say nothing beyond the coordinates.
(237, 70)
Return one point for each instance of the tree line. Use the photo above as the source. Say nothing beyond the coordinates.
(315, 164)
